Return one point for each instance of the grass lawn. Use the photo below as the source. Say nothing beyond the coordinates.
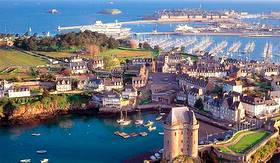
(121, 52)
(56, 54)
(16, 58)
(126, 53)
(224, 150)
(248, 141)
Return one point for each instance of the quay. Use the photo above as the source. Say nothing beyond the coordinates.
(211, 34)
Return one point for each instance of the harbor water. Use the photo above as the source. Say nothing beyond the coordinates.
(84, 139)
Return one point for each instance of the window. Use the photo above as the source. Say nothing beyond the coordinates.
(182, 150)
(175, 133)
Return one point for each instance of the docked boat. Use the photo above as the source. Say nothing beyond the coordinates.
(159, 118)
(235, 47)
(139, 121)
(267, 53)
(44, 160)
(149, 123)
(124, 121)
(249, 48)
(110, 29)
(121, 120)
(41, 151)
(161, 151)
(25, 161)
(150, 128)
(153, 158)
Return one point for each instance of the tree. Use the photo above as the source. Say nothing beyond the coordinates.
(199, 104)
(146, 46)
(110, 62)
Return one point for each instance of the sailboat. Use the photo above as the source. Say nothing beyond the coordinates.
(121, 120)
(139, 121)
(125, 121)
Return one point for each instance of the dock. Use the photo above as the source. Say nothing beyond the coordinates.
(128, 135)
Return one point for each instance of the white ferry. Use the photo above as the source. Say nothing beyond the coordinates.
(110, 29)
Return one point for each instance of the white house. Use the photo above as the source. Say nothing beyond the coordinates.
(63, 85)
(19, 92)
(129, 92)
(111, 99)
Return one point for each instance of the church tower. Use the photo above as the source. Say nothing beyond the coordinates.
(180, 134)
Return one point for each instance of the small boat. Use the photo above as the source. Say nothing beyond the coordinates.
(149, 123)
(139, 122)
(157, 155)
(45, 160)
(161, 151)
(25, 160)
(153, 158)
(41, 151)
(53, 11)
(161, 133)
(121, 120)
(159, 118)
(162, 114)
(125, 123)
(143, 134)
(36, 134)
(152, 128)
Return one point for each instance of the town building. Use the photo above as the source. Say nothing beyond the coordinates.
(141, 79)
(78, 67)
(180, 134)
(228, 107)
(19, 92)
(112, 83)
(111, 99)
(193, 95)
(96, 64)
(259, 107)
(63, 85)
(187, 82)
(75, 59)
(129, 92)
(270, 71)
(232, 86)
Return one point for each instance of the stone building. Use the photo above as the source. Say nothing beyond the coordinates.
(180, 134)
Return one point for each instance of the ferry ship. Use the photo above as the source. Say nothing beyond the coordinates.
(111, 29)
(185, 28)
